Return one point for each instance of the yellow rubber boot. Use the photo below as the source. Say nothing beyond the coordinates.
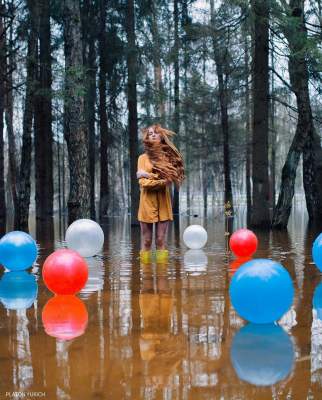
(145, 256)
(161, 256)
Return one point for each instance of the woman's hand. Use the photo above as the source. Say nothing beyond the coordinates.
(142, 174)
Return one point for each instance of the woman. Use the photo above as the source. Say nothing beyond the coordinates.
(158, 167)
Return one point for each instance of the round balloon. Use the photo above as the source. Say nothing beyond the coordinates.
(65, 272)
(317, 252)
(261, 291)
(18, 290)
(262, 354)
(317, 300)
(195, 237)
(85, 236)
(18, 251)
(64, 317)
(243, 243)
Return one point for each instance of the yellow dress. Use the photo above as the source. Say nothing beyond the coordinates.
(155, 200)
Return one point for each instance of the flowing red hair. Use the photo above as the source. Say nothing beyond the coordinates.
(165, 157)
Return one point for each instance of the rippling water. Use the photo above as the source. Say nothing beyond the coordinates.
(163, 331)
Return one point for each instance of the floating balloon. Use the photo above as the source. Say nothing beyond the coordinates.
(18, 290)
(18, 251)
(317, 300)
(261, 291)
(243, 243)
(317, 252)
(262, 354)
(85, 236)
(64, 317)
(65, 272)
(195, 261)
(195, 237)
(238, 262)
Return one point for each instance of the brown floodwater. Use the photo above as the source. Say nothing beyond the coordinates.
(163, 331)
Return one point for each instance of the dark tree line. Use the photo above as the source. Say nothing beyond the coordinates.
(79, 78)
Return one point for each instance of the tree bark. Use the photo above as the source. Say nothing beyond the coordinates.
(2, 93)
(220, 60)
(44, 186)
(260, 208)
(76, 134)
(22, 211)
(103, 120)
(132, 107)
(305, 140)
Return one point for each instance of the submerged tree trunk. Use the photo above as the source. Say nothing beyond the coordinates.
(305, 140)
(132, 107)
(22, 212)
(2, 93)
(44, 186)
(260, 207)
(75, 127)
(103, 121)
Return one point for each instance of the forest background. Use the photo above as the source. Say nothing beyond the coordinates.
(238, 81)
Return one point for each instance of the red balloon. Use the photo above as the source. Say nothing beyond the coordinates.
(65, 272)
(64, 317)
(243, 243)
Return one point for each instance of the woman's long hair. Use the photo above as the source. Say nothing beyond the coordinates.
(166, 160)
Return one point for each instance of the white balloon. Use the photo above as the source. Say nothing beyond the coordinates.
(195, 236)
(85, 236)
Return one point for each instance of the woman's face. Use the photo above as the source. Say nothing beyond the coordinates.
(154, 136)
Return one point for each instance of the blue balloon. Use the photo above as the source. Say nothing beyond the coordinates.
(18, 290)
(317, 300)
(317, 252)
(262, 354)
(261, 291)
(18, 251)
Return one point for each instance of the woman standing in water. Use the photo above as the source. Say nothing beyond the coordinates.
(159, 166)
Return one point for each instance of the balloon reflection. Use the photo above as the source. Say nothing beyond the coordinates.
(235, 264)
(95, 281)
(18, 290)
(65, 317)
(262, 354)
(317, 301)
(195, 262)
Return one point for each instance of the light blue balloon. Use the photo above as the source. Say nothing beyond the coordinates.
(317, 300)
(18, 290)
(317, 252)
(262, 354)
(261, 291)
(18, 251)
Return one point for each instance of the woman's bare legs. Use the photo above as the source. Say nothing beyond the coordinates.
(160, 234)
(146, 236)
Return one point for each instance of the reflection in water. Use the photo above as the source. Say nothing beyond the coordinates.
(316, 336)
(95, 280)
(195, 262)
(65, 317)
(262, 354)
(238, 262)
(317, 301)
(18, 290)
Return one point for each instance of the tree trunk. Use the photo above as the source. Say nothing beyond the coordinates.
(132, 107)
(175, 200)
(22, 211)
(103, 121)
(75, 127)
(220, 60)
(89, 33)
(260, 208)
(43, 120)
(2, 93)
(305, 139)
